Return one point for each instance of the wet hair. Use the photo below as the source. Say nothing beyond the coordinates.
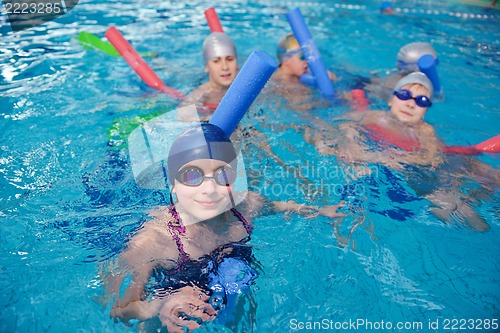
(204, 141)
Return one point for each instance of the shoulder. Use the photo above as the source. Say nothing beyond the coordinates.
(427, 129)
(199, 94)
(255, 205)
(154, 241)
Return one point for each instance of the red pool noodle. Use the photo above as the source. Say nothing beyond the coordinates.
(389, 137)
(394, 138)
(360, 102)
(491, 145)
(138, 64)
(213, 20)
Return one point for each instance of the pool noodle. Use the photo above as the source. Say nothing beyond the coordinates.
(427, 65)
(359, 100)
(311, 52)
(138, 64)
(213, 20)
(308, 79)
(245, 88)
(94, 41)
(395, 138)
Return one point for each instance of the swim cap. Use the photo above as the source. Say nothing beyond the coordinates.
(408, 55)
(217, 44)
(204, 141)
(415, 77)
(287, 47)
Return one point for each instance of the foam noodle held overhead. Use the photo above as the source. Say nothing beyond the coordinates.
(311, 52)
(246, 87)
(213, 20)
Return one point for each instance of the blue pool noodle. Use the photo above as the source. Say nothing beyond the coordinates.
(311, 52)
(308, 79)
(245, 88)
(427, 65)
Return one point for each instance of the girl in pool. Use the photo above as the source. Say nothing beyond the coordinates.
(219, 55)
(173, 258)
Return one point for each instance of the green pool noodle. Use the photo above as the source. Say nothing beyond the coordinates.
(91, 40)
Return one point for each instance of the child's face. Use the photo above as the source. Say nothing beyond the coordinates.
(296, 65)
(222, 70)
(207, 200)
(408, 111)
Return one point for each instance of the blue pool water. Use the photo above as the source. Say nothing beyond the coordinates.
(68, 201)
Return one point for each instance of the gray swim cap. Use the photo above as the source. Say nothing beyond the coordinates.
(408, 55)
(217, 44)
(415, 77)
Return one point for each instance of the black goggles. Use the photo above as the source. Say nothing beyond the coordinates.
(421, 100)
(193, 176)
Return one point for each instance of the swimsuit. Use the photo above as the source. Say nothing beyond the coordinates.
(198, 272)
(389, 137)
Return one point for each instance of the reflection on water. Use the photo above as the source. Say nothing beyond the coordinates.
(69, 203)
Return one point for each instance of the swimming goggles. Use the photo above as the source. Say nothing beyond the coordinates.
(421, 100)
(293, 53)
(193, 176)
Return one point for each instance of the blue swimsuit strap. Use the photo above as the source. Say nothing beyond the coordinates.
(177, 229)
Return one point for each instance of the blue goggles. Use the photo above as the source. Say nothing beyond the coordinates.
(421, 100)
(193, 176)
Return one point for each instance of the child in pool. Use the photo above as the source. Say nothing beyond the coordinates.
(406, 143)
(184, 241)
(219, 55)
(292, 64)
(406, 63)
(402, 127)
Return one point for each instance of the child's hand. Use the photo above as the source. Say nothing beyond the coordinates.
(186, 308)
(328, 211)
(331, 211)
(332, 76)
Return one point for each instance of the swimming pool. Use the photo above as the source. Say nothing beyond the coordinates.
(68, 200)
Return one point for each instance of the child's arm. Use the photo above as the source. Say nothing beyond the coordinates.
(306, 210)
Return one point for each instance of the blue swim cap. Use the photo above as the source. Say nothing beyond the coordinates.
(204, 141)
